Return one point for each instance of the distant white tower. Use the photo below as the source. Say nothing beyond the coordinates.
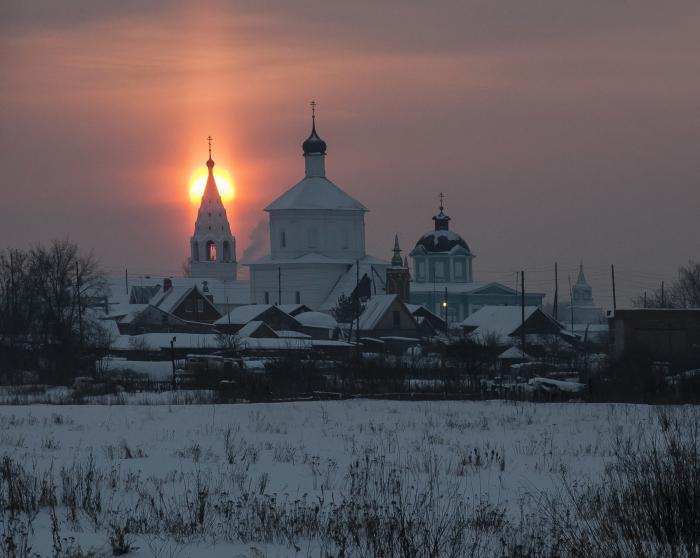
(213, 247)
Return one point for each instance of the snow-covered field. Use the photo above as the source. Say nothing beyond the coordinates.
(294, 479)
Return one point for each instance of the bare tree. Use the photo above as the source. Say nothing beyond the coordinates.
(684, 292)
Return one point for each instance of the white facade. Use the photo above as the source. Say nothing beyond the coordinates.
(212, 246)
(317, 233)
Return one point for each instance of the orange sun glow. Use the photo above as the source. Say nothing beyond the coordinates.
(224, 182)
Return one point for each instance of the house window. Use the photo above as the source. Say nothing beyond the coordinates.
(200, 306)
(189, 307)
(397, 319)
(298, 297)
(267, 297)
(283, 239)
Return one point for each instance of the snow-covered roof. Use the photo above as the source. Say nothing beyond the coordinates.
(461, 288)
(287, 334)
(236, 292)
(375, 308)
(278, 344)
(252, 327)
(315, 192)
(158, 341)
(243, 314)
(514, 353)
(499, 320)
(317, 319)
(374, 268)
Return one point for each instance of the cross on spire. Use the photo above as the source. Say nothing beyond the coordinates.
(442, 201)
(209, 138)
(313, 109)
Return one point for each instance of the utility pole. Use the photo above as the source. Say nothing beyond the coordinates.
(80, 309)
(571, 304)
(556, 292)
(444, 307)
(357, 305)
(172, 358)
(612, 269)
(522, 311)
(663, 296)
(645, 299)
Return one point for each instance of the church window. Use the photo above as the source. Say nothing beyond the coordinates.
(209, 227)
(439, 271)
(297, 297)
(195, 252)
(267, 297)
(283, 239)
(211, 251)
(313, 237)
(459, 269)
(226, 255)
(421, 269)
(200, 306)
(210, 214)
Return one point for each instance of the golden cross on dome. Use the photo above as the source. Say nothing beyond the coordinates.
(209, 140)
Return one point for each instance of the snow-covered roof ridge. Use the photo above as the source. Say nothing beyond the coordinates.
(317, 319)
(316, 192)
(375, 308)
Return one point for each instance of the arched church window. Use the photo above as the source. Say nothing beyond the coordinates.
(195, 251)
(226, 251)
(283, 239)
(211, 251)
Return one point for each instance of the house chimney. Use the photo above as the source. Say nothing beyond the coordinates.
(205, 287)
(167, 284)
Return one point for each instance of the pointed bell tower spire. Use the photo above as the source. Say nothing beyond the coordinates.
(213, 246)
(396, 260)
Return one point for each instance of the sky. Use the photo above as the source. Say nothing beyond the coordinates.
(558, 130)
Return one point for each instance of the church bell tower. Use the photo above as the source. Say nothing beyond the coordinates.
(213, 247)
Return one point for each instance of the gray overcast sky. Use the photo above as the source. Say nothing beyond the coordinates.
(558, 130)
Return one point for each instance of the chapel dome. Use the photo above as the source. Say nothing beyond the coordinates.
(441, 241)
(314, 145)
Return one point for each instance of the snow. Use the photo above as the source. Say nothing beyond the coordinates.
(243, 314)
(374, 268)
(250, 328)
(560, 385)
(499, 320)
(317, 319)
(302, 454)
(314, 193)
(159, 341)
(514, 353)
(375, 308)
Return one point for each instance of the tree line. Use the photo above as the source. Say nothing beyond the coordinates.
(48, 326)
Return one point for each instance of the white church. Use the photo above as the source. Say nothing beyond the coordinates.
(317, 241)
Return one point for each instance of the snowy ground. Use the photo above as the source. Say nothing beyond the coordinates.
(274, 479)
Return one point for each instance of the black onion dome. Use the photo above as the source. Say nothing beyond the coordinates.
(441, 241)
(314, 145)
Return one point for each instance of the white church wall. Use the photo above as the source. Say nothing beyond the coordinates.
(312, 283)
(336, 234)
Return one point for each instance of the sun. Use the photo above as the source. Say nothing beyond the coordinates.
(224, 182)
